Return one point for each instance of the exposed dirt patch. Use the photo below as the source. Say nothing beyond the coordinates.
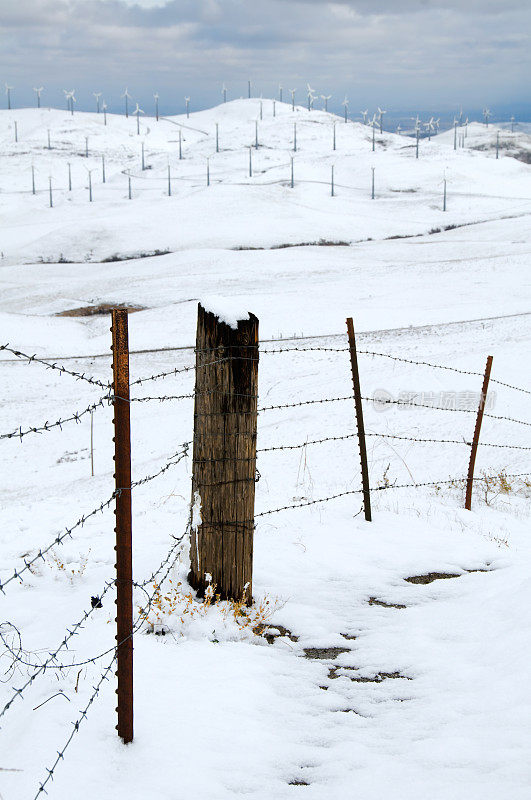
(378, 678)
(349, 636)
(101, 308)
(432, 576)
(276, 631)
(374, 602)
(298, 783)
(135, 257)
(320, 243)
(325, 652)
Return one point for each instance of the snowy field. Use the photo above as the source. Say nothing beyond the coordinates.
(375, 686)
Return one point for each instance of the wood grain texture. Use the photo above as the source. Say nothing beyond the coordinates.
(224, 455)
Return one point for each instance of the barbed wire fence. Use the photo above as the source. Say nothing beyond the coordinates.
(11, 637)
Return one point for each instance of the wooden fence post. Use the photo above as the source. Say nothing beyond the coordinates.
(359, 420)
(124, 563)
(224, 460)
(475, 440)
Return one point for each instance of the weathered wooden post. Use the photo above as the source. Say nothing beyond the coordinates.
(224, 455)
(477, 430)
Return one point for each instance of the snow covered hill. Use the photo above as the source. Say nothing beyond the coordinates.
(372, 683)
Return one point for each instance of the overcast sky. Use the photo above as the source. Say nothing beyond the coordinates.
(399, 53)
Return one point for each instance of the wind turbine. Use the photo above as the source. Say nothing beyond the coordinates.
(345, 103)
(430, 126)
(399, 129)
(97, 95)
(380, 118)
(374, 123)
(8, 92)
(104, 108)
(187, 101)
(127, 97)
(292, 91)
(156, 96)
(486, 116)
(364, 114)
(310, 95)
(456, 123)
(71, 99)
(280, 92)
(224, 93)
(138, 111)
(38, 93)
(326, 98)
(512, 124)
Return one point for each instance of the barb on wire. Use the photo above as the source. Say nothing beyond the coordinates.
(80, 376)
(47, 426)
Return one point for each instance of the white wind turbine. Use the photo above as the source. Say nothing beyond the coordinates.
(138, 111)
(224, 93)
(381, 112)
(374, 123)
(310, 95)
(364, 114)
(486, 116)
(292, 92)
(8, 92)
(280, 89)
(71, 99)
(326, 98)
(104, 109)
(187, 101)
(127, 97)
(97, 95)
(38, 93)
(345, 104)
(156, 96)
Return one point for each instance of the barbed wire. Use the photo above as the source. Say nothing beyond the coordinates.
(390, 486)
(80, 376)
(18, 573)
(172, 462)
(76, 725)
(74, 630)
(386, 401)
(179, 370)
(52, 656)
(83, 714)
(47, 426)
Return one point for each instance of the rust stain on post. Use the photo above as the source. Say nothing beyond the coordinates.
(224, 460)
(359, 420)
(477, 430)
(124, 561)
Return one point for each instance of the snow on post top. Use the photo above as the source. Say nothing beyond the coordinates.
(227, 310)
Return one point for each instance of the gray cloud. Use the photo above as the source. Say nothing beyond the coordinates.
(394, 51)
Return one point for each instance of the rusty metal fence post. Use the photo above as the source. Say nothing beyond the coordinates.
(359, 420)
(477, 430)
(124, 561)
(224, 460)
